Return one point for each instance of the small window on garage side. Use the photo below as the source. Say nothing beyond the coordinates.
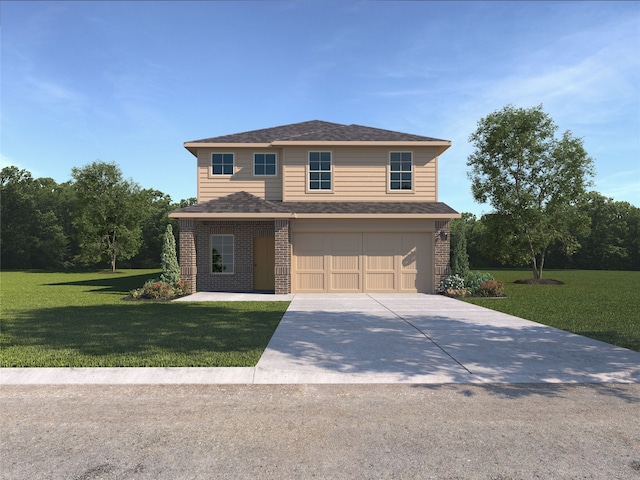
(264, 164)
(222, 163)
(319, 170)
(222, 254)
(400, 171)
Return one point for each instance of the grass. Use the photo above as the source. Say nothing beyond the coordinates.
(80, 320)
(604, 305)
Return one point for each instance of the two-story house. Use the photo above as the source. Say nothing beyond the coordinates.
(316, 207)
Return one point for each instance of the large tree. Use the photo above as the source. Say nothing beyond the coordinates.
(32, 236)
(532, 180)
(108, 221)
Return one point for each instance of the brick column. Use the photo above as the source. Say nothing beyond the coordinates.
(283, 256)
(442, 253)
(188, 269)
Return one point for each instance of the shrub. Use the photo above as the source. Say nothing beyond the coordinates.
(491, 288)
(452, 282)
(159, 290)
(170, 266)
(473, 280)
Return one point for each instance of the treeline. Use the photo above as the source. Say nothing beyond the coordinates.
(92, 220)
(611, 242)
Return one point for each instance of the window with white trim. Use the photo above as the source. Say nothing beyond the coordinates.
(400, 171)
(222, 254)
(264, 164)
(319, 170)
(222, 163)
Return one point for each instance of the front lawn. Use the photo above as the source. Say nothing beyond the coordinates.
(80, 320)
(604, 305)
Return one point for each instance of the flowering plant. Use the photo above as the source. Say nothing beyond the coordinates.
(452, 282)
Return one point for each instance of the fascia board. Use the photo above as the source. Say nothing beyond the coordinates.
(190, 145)
(245, 216)
(359, 143)
(379, 215)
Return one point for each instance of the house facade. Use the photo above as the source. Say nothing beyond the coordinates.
(316, 207)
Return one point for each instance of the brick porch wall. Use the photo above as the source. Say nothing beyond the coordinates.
(188, 269)
(283, 256)
(442, 248)
(243, 233)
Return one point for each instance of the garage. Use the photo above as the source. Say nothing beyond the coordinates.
(362, 261)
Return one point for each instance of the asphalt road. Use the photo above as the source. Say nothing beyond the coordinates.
(83, 432)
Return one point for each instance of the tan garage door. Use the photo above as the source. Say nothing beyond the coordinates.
(362, 262)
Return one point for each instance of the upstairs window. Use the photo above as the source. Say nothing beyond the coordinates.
(222, 253)
(222, 163)
(319, 170)
(400, 171)
(264, 163)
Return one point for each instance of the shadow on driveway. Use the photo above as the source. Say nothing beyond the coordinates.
(430, 339)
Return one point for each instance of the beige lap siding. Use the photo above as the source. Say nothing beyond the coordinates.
(211, 186)
(360, 174)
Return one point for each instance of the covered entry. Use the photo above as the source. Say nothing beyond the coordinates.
(362, 261)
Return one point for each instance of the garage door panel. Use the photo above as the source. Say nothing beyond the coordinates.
(310, 262)
(379, 262)
(345, 262)
(345, 282)
(380, 282)
(362, 262)
(310, 282)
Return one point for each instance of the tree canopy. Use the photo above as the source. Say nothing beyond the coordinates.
(108, 223)
(532, 180)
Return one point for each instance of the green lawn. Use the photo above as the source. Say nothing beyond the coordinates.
(80, 320)
(604, 305)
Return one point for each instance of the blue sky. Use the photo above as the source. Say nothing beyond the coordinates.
(130, 82)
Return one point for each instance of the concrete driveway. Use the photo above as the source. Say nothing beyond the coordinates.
(405, 338)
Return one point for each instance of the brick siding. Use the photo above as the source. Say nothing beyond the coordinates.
(188, 269)
(442, 252)
(283, 256)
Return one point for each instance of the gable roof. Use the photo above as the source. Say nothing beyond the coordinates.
(316, 132)
(246, 205)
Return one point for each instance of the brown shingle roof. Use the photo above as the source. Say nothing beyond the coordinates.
(372, 208)
(317, 130)
(240, 202)
(245, 203)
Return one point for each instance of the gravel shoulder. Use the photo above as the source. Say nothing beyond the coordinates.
(500, 432)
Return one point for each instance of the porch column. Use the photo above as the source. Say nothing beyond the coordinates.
(188, 269)
(442, 252)
(283, 256)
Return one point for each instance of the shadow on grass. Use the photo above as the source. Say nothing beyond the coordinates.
(141, 335)
(111, 283)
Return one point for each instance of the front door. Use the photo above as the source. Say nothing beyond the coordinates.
(264, 262)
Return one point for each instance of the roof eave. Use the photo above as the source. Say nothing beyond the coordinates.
(424, 216)
(441, 145)
(193, 146)
(226, 215)
(248, 216)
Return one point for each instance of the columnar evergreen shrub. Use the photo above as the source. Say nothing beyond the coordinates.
(459, 256)
(170, 266)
